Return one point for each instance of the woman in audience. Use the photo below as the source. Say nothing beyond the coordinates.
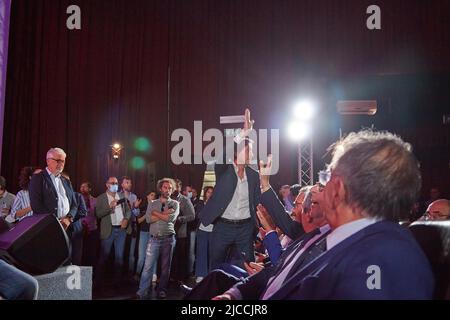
(202, 243)
(21, 207)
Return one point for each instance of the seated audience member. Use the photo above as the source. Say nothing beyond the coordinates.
(114, 213)
(21, 207)
(305, 209)
(16, 284)
(374, 180)
(161, 214)
(438, 210)
(6, 199)
(285, 197)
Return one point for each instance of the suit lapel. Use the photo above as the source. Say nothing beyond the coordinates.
(49, 181)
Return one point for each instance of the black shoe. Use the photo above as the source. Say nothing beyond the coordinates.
(162, 295)
(185, 289)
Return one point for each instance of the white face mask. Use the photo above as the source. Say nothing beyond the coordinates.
(113, 188)
(189, 195)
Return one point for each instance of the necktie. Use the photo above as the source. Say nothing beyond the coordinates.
(315, 250)
(290, 266)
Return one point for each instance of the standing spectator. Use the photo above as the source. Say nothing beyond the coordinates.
(114, 213)
(134, 203)
(181, 254)
(161, 214)
(21, 207)
(51, 193)
(232, 208)
(144, 228)
(203, 241)
(91, 236)
(6, 199)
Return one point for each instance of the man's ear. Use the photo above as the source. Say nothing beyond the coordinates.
(341, 193)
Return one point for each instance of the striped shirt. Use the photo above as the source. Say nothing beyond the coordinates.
(22, 201)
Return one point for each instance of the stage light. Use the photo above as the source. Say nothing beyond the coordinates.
(137, 163)
(305, 110)
(299, 130)
(142, 144)
(116, 148)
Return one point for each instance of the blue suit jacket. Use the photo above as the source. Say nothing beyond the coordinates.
(226, 182)
(44, 198)
(273, 247)
(280, 217)
(342, 271)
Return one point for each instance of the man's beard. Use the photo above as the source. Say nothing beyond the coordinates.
(165, 195)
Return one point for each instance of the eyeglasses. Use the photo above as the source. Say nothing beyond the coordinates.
(58, 160)
(324, 177)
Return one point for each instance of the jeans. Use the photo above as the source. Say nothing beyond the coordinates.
(202, 255)
(143, 242)
(192, 238)
(132, 257)
(116, 238)
(162, 248)
(16, 284)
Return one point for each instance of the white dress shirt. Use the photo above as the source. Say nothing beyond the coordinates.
(117, 213)
(63, 201)
(238, 208)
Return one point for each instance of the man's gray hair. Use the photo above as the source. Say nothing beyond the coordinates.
(53, 151)
(380, 173)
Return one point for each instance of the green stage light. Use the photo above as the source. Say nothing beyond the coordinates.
(137, 163)
(142, 144)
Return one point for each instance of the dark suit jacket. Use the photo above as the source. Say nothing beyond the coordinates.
(343, 271)
(280, 217)
(44, 198)
(226, 182)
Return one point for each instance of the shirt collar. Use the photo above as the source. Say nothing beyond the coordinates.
(51, 174)
(236, 171)
(4, 194)
(346, 230)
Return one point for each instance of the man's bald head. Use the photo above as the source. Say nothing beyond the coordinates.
(439, 210)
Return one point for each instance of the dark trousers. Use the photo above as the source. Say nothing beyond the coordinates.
(180, 259)
(91, 244)
(202, 253)
(214, 284)
(77, 248)
(226, 235)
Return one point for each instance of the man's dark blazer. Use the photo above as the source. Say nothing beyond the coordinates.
(280, 216)
(346, 270)
(226, 182)
(44, 198)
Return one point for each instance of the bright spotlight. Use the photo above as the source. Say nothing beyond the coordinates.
(299, 130)
(304, 110)
(116, 146)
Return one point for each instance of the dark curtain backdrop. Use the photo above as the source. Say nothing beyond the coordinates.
(142, 68)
